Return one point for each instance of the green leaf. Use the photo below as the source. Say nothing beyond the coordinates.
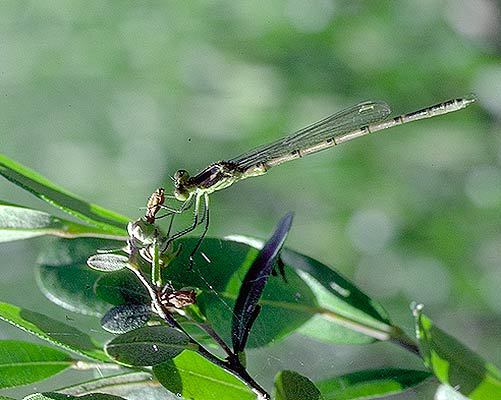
(114, 383)
(18, 222)
(315, 300)
(109, 221)
(121, 287)
(290, 385)
(22, 363)
(108, 262)
(285, 306)
(66, 279)
(6, 398)
(193, 377)
(370, 384)
(60, 396)
(72, 287)
(146, 346)
(342, 305)
(51, 330)
(61, 252)
(126, 317)
(455, 364)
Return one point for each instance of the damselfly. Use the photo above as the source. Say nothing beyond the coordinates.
(350, 123)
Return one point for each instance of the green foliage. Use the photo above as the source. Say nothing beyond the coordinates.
(108, 221)
(455, 364)
(316, 300)
(341, 303)
(53, 331)
(59, 396)
(111, 384)
(290, 385)
(370, 384)
(194, 377)
(22, 363)
(147, 346)
(18, 222)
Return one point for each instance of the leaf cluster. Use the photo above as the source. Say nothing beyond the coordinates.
(171, 325)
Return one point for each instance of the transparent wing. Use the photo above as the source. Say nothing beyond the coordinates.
(347, 120)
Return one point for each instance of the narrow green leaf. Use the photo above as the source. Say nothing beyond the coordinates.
(344, 314)
(18, 222)
(44, 189)
(111, 384)
(455, 364)
(51, 330)
(193, 377)
(22, 363)
(6, 398)
(370, 384)
(342, 304)
(60, 396)
(146, 346)
(290, 385)
(108, 262)
(285, 306)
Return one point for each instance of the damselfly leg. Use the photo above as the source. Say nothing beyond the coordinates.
(200, 215)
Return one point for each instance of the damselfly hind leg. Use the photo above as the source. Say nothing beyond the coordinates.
(192, 227)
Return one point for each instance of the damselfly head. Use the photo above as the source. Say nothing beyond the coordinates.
(181, 176)
(180, 180)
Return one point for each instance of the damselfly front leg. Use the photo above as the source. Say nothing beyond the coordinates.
(156, 203)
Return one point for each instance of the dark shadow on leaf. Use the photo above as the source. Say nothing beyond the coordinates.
(246, 307)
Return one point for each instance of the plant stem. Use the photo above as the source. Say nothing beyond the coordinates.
(401, 339)
(218, 339)
(232, 364)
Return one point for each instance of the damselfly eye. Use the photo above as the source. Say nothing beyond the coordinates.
(181, 175)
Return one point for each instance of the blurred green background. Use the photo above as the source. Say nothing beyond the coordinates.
(109, 98)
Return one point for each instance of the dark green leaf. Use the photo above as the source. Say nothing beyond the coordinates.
(112, 384)
(455, 364)
(284, 306)
(109, 221)
(6, 398)
(66, 279)
(192, 376)
(121, 287)
(51, 330)
(18, 222)
(72, 287)
(108, 262)
(60, 396)
(290, 385)
(150, 345)
(22, 363)
(370, 384)
(76, 251)
(126, 317)
(246, 305)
